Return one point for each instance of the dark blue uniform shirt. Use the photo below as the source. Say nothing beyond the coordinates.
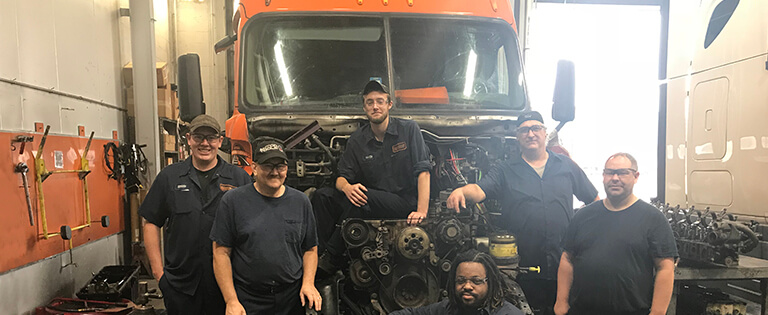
(392, 165)
(536, 209)
(175, 202)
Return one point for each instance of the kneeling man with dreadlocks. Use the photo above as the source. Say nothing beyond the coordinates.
(476, 287)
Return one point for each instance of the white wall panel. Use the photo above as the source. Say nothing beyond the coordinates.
(40, 107)
(107, 49)
(37, 38)
(199, 26)
(110, 120)
(75, 47)
(78, 113)
(10, 107)
(196, 42)
(193, 16)
(9, 50)
(162, 39)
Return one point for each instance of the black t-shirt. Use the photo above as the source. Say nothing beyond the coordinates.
(613, 256)
(537, 209)
(268, 236)
(391, 165)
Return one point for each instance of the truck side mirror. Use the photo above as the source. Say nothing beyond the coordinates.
(190, 88)
(225, 43)
(563, 107)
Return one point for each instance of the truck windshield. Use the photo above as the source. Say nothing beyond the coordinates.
(324, 61)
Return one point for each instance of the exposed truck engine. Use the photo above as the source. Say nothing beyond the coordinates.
(392, 265)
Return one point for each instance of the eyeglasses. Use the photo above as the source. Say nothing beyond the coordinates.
(475, 281)
(211, 138)
(280, 167)
(622, 172)
(378, 101)
(534, 128)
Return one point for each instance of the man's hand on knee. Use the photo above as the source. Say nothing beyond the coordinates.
(456, 200)
(416, 217)
(356, 194)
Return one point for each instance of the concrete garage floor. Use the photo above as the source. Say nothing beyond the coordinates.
(752, 308)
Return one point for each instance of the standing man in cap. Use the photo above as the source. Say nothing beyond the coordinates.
(184, 199)
(383, 173)
(619, 252)
(265, 242)
(536, 192)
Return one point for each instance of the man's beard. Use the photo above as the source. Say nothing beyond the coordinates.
(470, 308)
(378, 120)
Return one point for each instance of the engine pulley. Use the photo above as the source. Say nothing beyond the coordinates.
(413, 243)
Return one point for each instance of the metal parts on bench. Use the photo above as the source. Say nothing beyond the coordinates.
(709, 236)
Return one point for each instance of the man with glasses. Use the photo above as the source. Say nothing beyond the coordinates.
(264, 242)
(184, 199)
(476, 286)
(383, 174)
(536, 192)
(613, 248)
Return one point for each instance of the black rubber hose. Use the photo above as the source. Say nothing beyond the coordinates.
(751, 234)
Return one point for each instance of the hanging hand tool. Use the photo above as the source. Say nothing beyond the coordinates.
(23, 169)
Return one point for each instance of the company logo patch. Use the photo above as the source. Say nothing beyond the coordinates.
(226, 187)
(270, 147)
(401, 146)
(368, 157)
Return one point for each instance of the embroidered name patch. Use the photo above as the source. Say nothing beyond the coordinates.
(401, 146)
(225, 187)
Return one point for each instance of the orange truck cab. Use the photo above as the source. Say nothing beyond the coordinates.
(453, 66)
(310, 57)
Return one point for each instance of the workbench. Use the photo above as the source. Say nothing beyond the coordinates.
(749, 268)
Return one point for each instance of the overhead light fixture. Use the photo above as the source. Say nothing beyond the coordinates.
(283, 69)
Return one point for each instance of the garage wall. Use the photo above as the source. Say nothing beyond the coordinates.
(25, 288)
(59, 66)
(199, 25)
(64, 46)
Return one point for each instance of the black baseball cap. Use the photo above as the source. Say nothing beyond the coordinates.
(268, 149)
(532, 115)
(204, 121)
(375, 85)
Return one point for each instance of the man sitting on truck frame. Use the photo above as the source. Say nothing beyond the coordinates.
(383, 174)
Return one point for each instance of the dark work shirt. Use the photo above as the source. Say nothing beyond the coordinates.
(205, 178)
(536, 209)
(175, 202)
(268, 236)
(613, 253)
(392, 165)
(444, 308)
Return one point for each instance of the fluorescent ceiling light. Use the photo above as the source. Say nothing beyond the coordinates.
(470, 76)
(283, 69)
